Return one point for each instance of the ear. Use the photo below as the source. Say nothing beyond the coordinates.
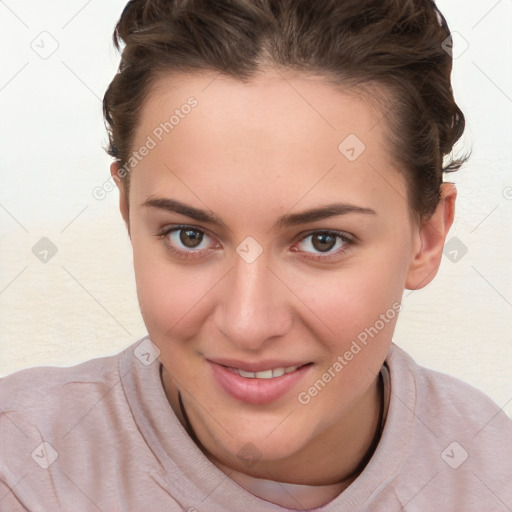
(123, 199)
(431, 237)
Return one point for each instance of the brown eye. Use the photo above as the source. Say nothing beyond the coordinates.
(191, 238)
(323, 241)
(320, 245)
(188, 242)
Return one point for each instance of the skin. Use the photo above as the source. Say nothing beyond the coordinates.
(250, 153)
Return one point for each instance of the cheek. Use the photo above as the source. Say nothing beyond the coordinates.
(346, 303)
(169, 295)
(360, 310)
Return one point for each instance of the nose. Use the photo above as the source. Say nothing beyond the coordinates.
(253, 308)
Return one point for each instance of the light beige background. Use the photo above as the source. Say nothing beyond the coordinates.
(82, 303)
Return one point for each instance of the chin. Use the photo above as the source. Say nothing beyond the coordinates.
(248, 447)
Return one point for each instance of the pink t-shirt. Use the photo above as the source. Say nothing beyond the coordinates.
(101, 436)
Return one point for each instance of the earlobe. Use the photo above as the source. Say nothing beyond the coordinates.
(123, 200)
(432, 235)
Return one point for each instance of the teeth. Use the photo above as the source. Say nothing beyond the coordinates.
(267, 374)
(249, 375)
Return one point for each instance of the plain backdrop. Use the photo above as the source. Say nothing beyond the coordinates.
(67, 291)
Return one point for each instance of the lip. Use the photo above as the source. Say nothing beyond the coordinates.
(257, 391)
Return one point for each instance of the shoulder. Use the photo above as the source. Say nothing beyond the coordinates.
(31, 386)
(444, 397)
(62, 426)
(458, 436)
(39, 400)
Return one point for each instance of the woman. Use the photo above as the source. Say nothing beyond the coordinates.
(280, 167)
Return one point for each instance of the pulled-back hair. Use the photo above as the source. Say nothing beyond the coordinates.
(395, 46)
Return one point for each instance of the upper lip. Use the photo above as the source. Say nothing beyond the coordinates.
(258, 366)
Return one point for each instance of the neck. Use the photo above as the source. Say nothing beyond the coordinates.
(343, 452)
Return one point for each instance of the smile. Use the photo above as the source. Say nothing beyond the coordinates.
(258, 387)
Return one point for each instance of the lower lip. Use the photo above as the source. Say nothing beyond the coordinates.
(256, 391)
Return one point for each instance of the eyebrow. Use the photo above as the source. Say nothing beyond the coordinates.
(290, 219)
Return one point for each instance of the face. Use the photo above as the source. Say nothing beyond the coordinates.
(264, 239)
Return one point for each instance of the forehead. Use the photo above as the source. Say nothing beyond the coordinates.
(280, 105)
(285, 138)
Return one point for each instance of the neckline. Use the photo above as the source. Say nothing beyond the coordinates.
(284, 494)
(183, 470)
(384, 391)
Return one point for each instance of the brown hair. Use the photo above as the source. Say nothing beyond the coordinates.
(396, 45)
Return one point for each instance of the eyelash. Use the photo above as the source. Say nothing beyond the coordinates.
(348, 241)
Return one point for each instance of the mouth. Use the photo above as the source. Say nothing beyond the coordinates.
(258, 384)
